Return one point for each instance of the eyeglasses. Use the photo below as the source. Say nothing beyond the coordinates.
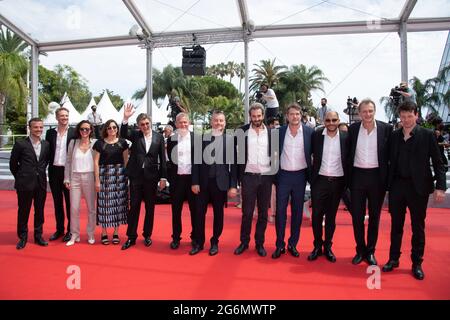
(331, 120)
(144, 124)
(112, 128)
(85, 129)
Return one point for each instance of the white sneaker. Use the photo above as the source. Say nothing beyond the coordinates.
(72, 241)
(91, 240)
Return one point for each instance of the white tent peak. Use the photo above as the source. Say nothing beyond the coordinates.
(85, 113)
(106, 109)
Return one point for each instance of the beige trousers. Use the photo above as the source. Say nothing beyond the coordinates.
(82, 184)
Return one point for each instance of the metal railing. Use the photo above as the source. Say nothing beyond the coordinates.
(8, 140)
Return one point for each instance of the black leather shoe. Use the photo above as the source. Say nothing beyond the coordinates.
(277, 253)
(418, 272)
(293, 251)
(314, 254)
(67, 237)
(21, 244)
(128, 244)
(175, 244)
(147, 241)
(371, 259)
(390, 265)
(261, 251)
(329, 255)
(242, 247)
(55, 236)
(357, 259)
(41, 242)
(195, 250)
(214, 250)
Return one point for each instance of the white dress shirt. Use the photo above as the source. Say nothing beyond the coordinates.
(331, 165)
(366, 153)
(258, 160)
(293, 153)
(36, 147)
(184, 154)
(61, 148)
(83, 161)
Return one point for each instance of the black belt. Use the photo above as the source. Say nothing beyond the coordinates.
(252, 174)
(330, 178)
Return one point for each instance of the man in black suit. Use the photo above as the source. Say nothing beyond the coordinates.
(256, 176)
(59, 139)
(180, 152)
(369, 148)
(329, 148)
(410, 184)
(212, 176)
(28, 162)
(295, 165)
(147, 166)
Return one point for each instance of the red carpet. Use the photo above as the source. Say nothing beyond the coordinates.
(158, 272)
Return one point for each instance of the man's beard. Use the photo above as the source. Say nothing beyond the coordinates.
(257, 124)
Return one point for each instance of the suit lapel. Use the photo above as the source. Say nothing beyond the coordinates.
(342, 144)
(31, 148)
(380, 141)
(154, 141)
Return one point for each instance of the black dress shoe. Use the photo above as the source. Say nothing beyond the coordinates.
(329, 255)
(242, 247)
(41, 242)
(67, 237)
(357, 259)
(21, 244)
(293, 251)
(214, 250)
(175, 244)
(195, 250)
(261, 251)
(314, 254)
(147, 241)
(371, 259)
(128, 244)
(418, 272)
(390, 265)
(56, 236)
(277, 253)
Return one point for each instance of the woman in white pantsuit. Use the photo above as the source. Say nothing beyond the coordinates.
(80, 180)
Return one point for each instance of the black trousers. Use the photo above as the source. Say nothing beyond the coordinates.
(255, 189)
(326, 195)
(218, 198)
(180, 190)
(402, 195)
(346, 199)
(366, 188)
(141, 189)
(24, 200)
(271, 113)
(60, 195)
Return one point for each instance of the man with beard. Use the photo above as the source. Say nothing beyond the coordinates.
(255, 176)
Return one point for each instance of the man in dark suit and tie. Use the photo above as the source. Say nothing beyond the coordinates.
(368, 163)
(410, 184)
(295, 163)
(28, 162)
(256, 176)
(180, 152)
(213, 175)
(147, 166)
(59, 139)
(329, 148)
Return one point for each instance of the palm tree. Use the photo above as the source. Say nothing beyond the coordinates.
(266, 72)
(240, 73)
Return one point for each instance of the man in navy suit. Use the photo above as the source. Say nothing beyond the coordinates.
(368, 164)
(295, 163)
(28, 162)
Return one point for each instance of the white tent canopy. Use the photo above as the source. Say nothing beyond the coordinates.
(74, 115)
(88, 110)
(107, 110)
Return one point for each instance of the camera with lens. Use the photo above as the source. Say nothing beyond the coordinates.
(396, 96)
(259, 97)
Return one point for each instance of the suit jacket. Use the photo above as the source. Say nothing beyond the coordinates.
(25, 167)
(384, 132)
(242, 155)
(317, 149)
(307, 134)
(154, 160)
(51, 136)
(226, 174)
(424, 147)
(172, 167)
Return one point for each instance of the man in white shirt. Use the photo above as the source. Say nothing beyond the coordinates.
(368, 161)
(269, 96)
(295, 164)
(329, 148)
(255, 176)
(96, 120)
(180, 152)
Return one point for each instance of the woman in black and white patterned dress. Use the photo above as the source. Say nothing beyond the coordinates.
(111, 182)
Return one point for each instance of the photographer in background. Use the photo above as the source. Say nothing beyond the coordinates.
(271, 102)
(402, 93)
(175, 108)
